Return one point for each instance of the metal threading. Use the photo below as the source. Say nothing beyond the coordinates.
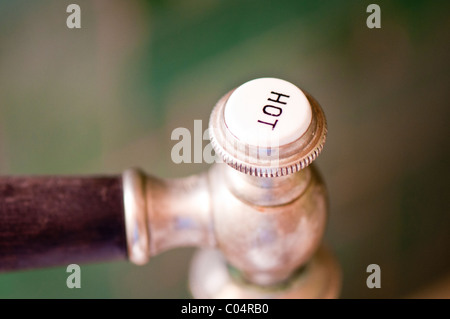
(268, 162)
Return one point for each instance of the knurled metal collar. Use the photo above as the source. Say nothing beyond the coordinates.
(272, 139)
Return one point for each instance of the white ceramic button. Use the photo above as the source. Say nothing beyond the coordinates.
(267, 112)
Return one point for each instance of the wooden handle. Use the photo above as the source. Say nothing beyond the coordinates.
(49, 221)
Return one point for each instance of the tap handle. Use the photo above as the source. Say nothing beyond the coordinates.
(50, 221)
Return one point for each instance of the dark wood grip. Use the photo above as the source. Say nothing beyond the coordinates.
(50, 221)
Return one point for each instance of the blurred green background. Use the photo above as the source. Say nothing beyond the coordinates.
(107, 96)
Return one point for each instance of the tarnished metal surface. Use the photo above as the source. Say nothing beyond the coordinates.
(265, 209)
(268, 242)
(179, 213)
(210, 277)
